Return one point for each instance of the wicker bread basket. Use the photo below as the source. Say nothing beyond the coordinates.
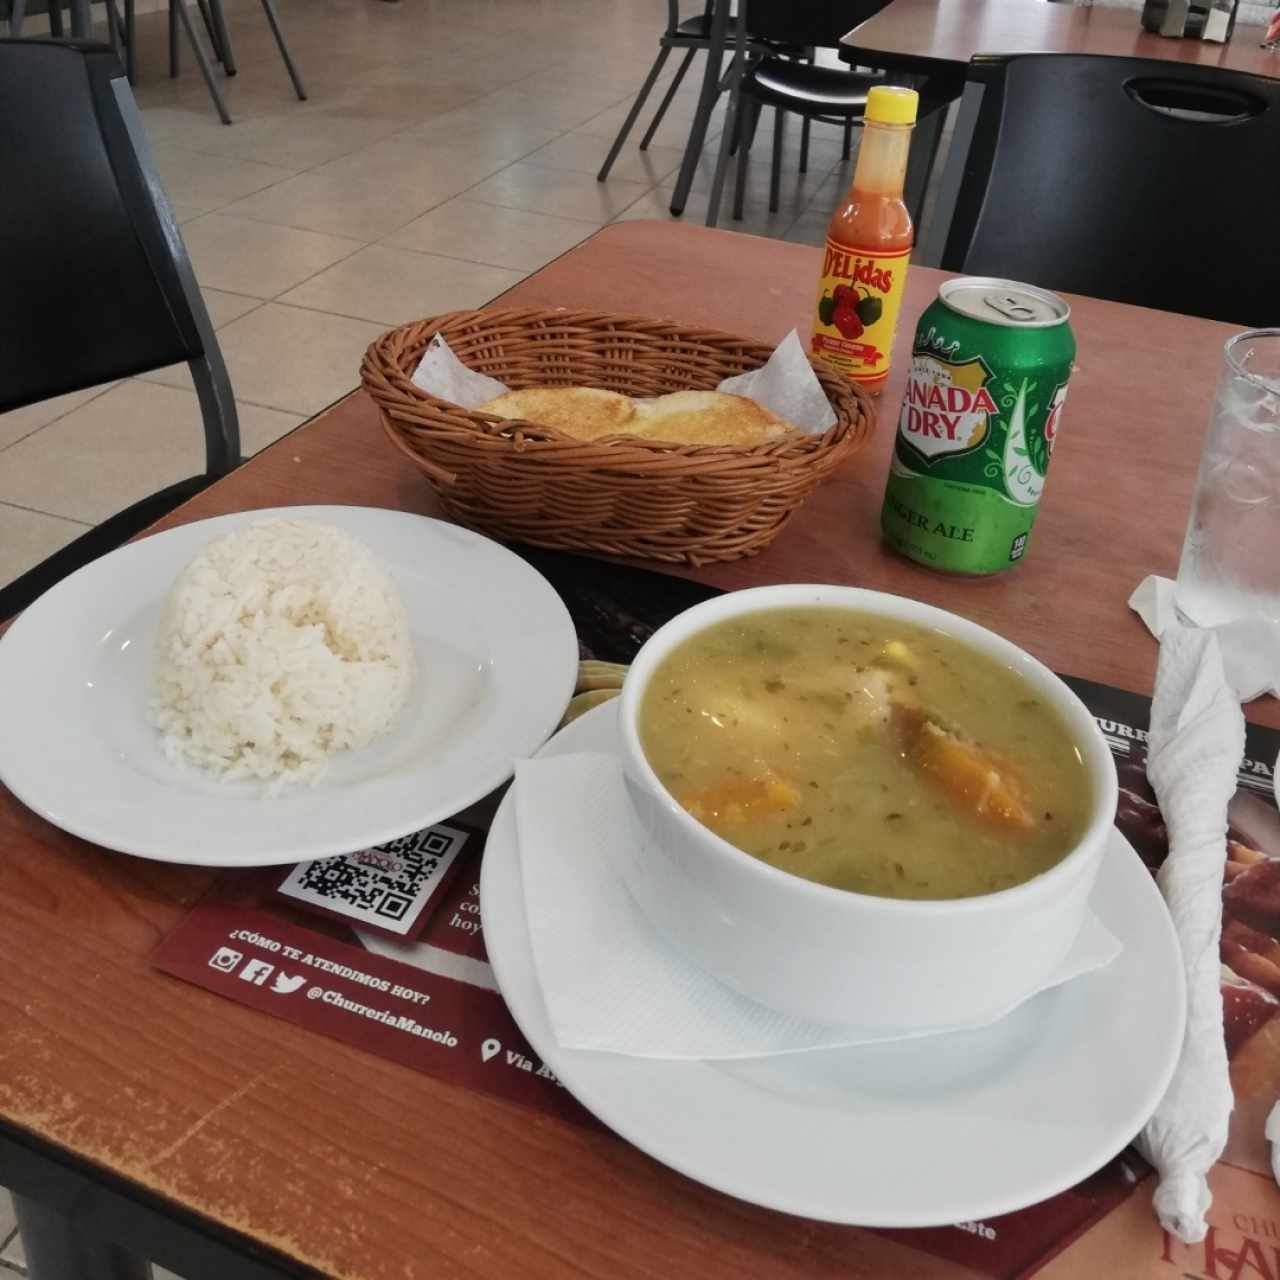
(534, 484)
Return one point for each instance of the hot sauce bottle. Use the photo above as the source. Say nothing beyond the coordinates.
(869, 244)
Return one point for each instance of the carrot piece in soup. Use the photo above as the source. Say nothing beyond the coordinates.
(975, 780)
(729, 802)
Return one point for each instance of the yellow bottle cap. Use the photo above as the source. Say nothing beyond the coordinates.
(889, 104)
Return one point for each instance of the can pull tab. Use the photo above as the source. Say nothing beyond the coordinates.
(1010, 307)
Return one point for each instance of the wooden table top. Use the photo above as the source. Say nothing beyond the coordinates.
(361, 1168)
(924, 34)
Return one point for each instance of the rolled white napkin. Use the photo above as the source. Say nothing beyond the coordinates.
(609, 981)
(1272, 1131)
(1195, 745)
(1230, 663)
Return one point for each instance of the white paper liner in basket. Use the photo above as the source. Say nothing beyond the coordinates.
(785, 384)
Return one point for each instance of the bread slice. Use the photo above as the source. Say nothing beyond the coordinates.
(584, 412)
(683, 417)
(707, 417)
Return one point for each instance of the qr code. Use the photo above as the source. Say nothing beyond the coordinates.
(387, 886)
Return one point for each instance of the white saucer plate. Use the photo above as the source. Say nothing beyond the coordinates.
(497, 658)
(950, 1128)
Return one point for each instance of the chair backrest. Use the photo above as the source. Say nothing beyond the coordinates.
(96, 283)
(1135, 180)
(805, 23)
(673, 14)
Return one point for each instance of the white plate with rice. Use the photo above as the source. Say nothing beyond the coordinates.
(482, 654)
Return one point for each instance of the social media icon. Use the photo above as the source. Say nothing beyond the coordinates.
(283, 983)
(257, 972)
(225, 959)
(489, 1048)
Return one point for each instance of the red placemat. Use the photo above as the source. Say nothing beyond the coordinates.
(415, 986)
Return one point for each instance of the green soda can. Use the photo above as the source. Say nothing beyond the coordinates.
(989, 371)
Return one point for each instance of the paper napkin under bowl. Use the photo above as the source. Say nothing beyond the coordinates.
(609, 981)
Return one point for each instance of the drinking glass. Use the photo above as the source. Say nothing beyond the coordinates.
(1230, 565)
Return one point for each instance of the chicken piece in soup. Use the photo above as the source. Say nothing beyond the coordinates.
(865, 753)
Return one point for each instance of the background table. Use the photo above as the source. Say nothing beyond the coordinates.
(932, 42)
(177, 1122)
(930, 35)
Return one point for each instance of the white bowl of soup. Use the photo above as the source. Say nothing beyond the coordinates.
(860, 809)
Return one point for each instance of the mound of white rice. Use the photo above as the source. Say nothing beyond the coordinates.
(280, 644)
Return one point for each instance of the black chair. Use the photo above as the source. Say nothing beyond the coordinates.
(18, 15)
(215, 24)
(693, 34)
(1134, 180)
(97, 284)
(787, 84)
(688, 34)
(121, 34)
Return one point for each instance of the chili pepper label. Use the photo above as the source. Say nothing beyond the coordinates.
(859, 297)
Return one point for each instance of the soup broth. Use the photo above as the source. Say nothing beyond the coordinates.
(865, 753)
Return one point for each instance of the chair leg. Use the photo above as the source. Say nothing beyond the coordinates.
(753, 122)
(130, 52)
(805, 122)
(744, 133)
(180, 6)
(707, 97)
(848, 140)
(18, 14)
(210, 29)
(274, 22)
(775, 168)
(115, 27)
(226, 54)
(634, 114)
(740, 184)
(739, 127)
(666, 100)
(730, 130)
(727, 80)
(80, 13)
(174, 51)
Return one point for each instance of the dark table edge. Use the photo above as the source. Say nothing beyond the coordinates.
(106, 1206)
(917, 63)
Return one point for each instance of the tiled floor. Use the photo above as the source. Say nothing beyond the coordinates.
(448, 148)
